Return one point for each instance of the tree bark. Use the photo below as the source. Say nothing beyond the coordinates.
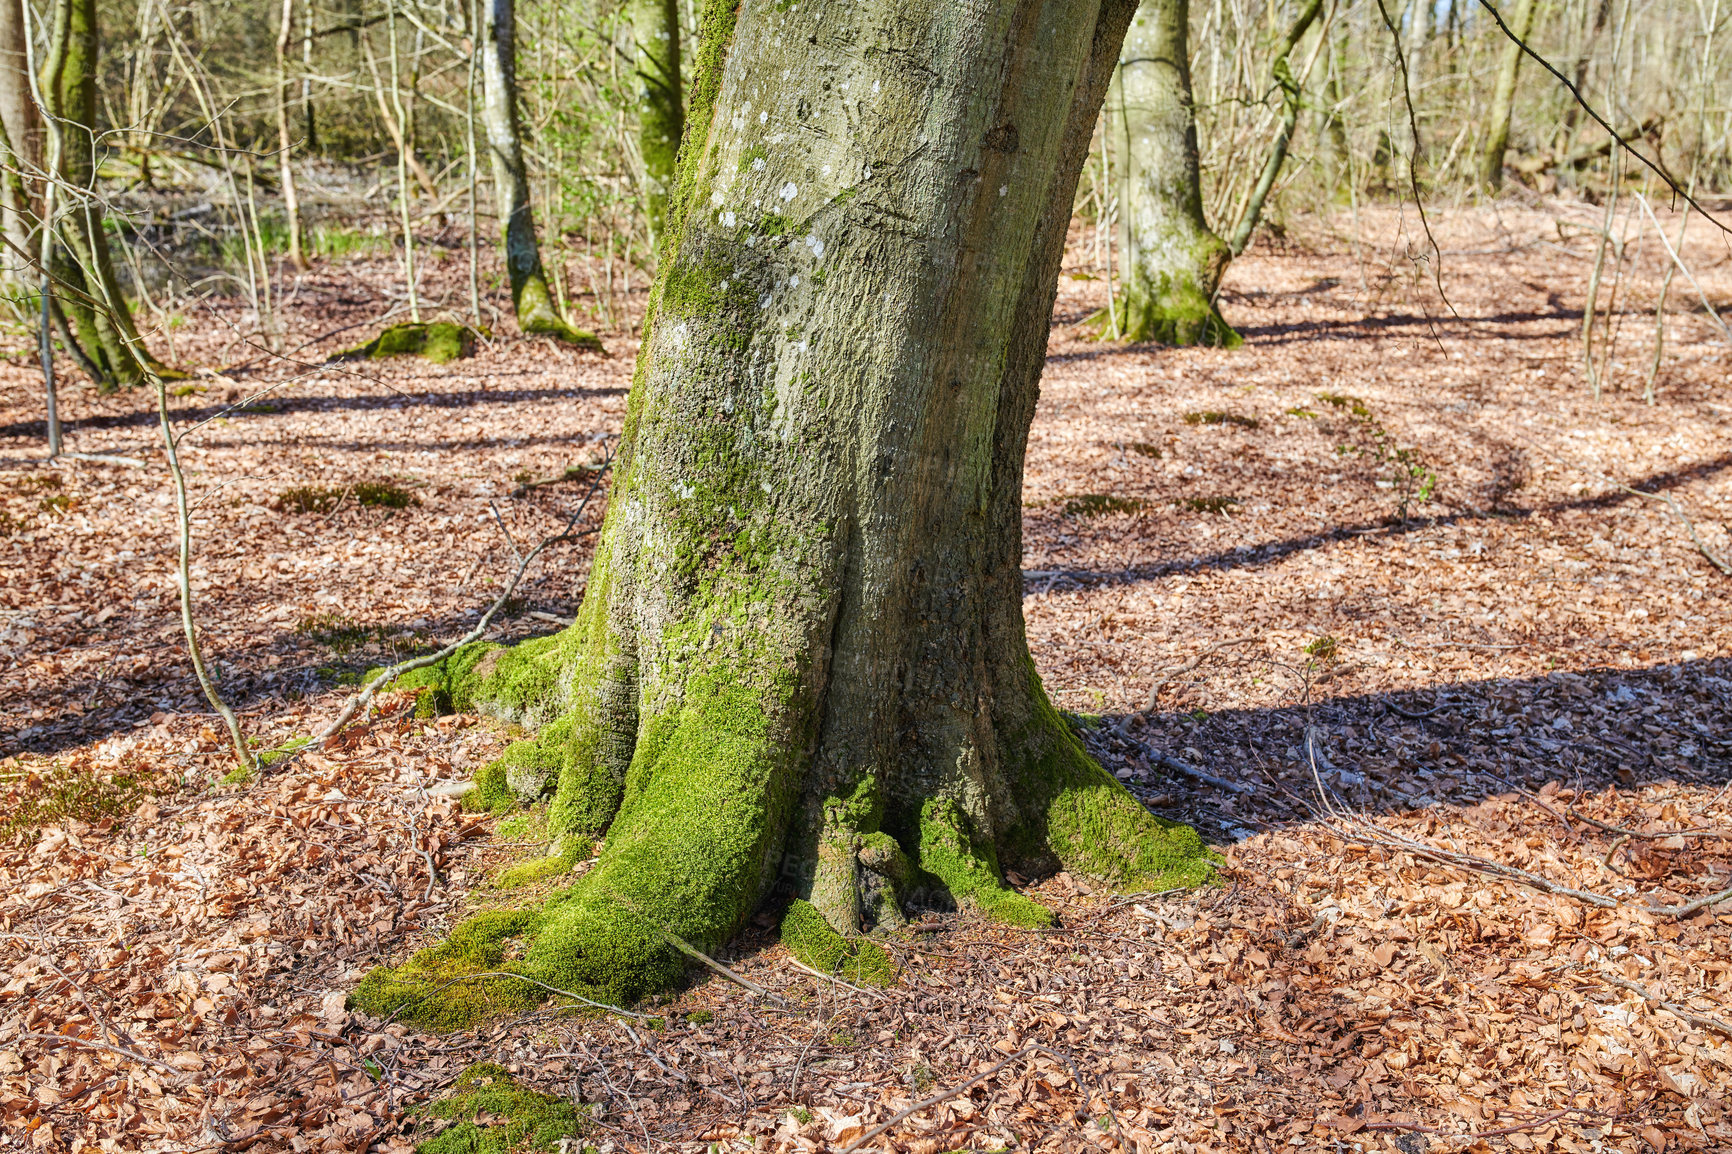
(1503, 97)
(655, 28)
(1173, 262)
(20, 153)
(800, 669)
(530, 297)
(91, 294)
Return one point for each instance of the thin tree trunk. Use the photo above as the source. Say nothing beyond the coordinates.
(800, 669)
(1290, 94)
(20, 153)
(530, 297)
(1503, 97)
(655, 28)
(285, 142)
(1173, 262)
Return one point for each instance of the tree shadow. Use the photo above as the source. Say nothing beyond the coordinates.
(285, 406)
(1451, 743)
(1271, 552)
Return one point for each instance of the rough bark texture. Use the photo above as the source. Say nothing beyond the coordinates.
(92, 296)
(800, 668)
(20, 152)
(1503, 96)
(1173, 263)
(655, 26)
(530, 296)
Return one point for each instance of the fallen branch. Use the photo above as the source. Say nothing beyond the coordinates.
(698, 955)
(1190, 770)
(385, 677)
(1673, 1008)
(799, 965)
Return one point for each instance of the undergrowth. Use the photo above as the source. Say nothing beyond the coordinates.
(35, 798)
(492, 1114)
(325, 498)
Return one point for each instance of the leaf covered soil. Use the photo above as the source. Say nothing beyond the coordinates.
(1531, 656)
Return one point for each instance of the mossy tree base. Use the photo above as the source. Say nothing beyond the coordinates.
(1181, 319)
(800, 670)
(440, 342)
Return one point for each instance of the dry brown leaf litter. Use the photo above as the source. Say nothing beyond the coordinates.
(1531, 644)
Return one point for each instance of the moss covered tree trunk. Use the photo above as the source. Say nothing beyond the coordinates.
(1173, 262)
(530, 297)
(800, 669)
(655, 26)
(91, 294)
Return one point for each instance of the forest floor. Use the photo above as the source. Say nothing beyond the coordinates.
(1468, 760)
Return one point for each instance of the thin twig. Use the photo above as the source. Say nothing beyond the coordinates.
(121, 1051)
(799, 965)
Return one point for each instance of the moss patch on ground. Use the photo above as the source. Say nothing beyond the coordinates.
(495, 1115)
(440, 342)
(811, 939)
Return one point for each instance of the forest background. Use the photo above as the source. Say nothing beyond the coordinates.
(1378, 993)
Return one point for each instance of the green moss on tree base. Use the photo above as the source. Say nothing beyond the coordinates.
(440, 342)
(970, 873)
(574, 850)
(811, 939)
(575, 941)
(495, 1115)
(550, 326)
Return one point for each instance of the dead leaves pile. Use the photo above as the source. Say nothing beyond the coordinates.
(176, 978)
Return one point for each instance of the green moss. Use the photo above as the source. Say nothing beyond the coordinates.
(811, 939)
(970, 871)
(540, 869)
(440, 342)
(1074, 810)
(548, 325)
(1174, 310)
(434, 988)
(239, 775)
(1101, 504)
(496, 1115)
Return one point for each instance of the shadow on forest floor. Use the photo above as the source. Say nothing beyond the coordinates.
(1451, 743)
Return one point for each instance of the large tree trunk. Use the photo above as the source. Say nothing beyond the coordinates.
(91, 294)
(655, 26)
(1503, 96)
(530, 297)
(800, 668)
(1173, 262)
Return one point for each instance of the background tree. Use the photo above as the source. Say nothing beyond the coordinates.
(1173, 262)
(655, 26)
(801, 663)
(102, 320)
(530, 298)
(20, 155)
(1503, 95)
